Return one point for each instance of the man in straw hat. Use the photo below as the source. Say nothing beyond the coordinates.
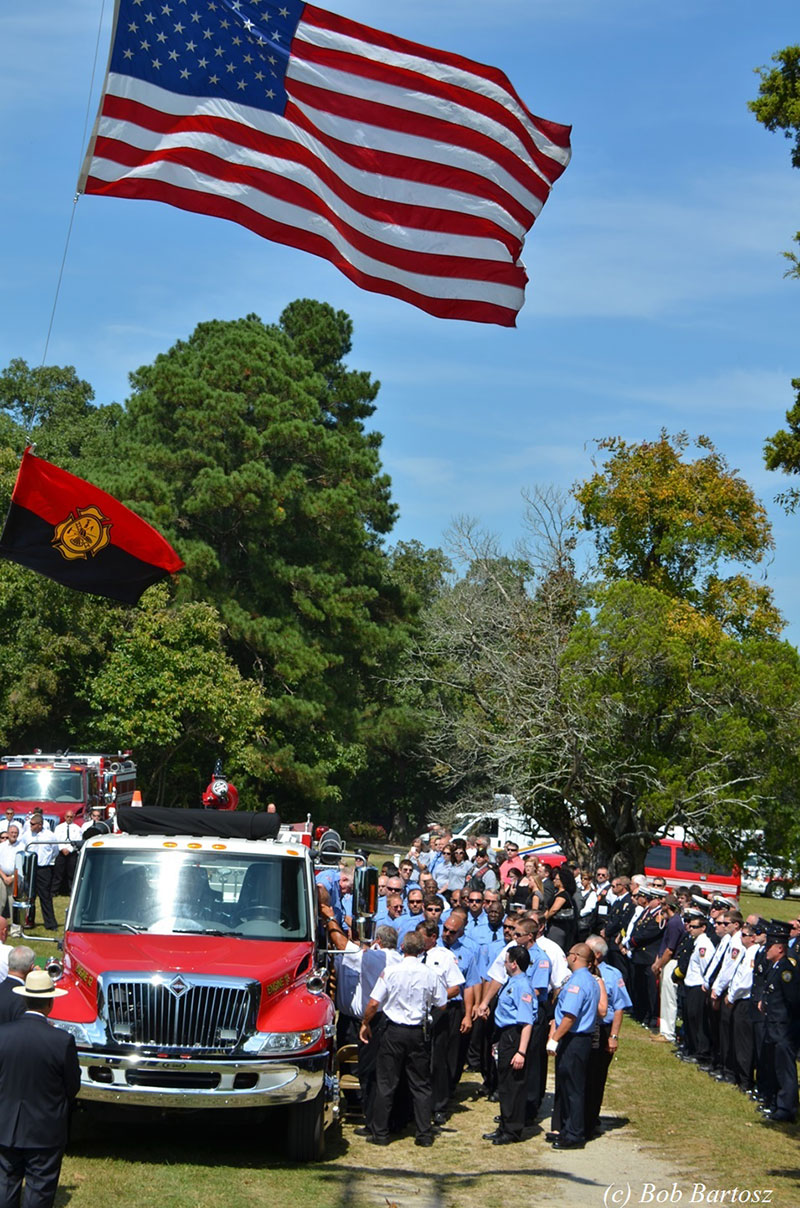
(39, 1078)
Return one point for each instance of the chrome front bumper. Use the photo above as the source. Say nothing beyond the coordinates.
(166, 1082)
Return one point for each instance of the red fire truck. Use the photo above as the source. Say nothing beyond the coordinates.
(195, 970)
(62, 783)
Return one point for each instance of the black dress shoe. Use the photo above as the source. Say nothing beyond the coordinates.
(559, 1144)
(505, 1139)
(424, 1142)
(551, 1136)
(362, 1131)
(377, 1140)
(492, 1136)
(439, 1118)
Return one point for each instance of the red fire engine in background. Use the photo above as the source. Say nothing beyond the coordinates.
(62, 783)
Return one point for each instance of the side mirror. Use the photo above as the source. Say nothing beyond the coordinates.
(24, 885)
(365, 902)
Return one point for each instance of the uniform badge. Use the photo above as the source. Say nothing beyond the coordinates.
(84, 531)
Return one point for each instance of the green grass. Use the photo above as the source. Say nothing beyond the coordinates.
(751, 903)
(709, 1128)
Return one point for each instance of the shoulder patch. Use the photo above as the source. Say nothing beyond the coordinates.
(734, 951)
(702, 951)
(526, 998)
(544, 964)
(786, 976)
(621, 983)
(573, 990)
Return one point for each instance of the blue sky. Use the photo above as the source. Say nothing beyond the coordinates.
(656, 296)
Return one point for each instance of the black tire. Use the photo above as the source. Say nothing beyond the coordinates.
(306, 1130)
(776, 890)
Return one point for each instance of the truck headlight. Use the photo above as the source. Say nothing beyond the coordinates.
(87, 1035)
(78, 1030)
(282, 1042)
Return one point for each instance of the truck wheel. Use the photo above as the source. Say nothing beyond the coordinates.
(306, 1132)
(776, 890)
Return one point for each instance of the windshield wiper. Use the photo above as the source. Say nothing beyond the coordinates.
(109, 923)
(202, 931)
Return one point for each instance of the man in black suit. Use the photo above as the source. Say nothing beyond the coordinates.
(39, 1078)
(617, 920)
(20, 962)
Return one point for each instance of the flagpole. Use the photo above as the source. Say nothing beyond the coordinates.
(90, 149)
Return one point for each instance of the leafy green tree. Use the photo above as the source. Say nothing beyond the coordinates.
(660, 519)
(53, 407)
(171, 689)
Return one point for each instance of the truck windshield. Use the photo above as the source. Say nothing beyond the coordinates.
(41, 784)
(170, 892)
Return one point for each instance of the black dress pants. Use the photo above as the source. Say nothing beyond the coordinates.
(572, 1065)
(512, 1085)
(44, 892)
(698, 1041)
(447, 1048)
(599, 1063)
(537, 1063)
(40, 1169)
(402, 1049)
(743, 1038)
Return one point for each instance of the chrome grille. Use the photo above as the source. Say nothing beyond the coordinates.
(181, 1011)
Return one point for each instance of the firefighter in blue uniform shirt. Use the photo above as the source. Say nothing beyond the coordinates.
(780, 1004)
(514, 1017)
(571, 1034)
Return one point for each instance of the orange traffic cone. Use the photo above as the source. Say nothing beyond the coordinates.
(136, 799)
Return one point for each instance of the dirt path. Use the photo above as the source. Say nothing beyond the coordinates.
(613, 1171)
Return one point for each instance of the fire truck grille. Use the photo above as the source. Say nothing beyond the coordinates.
(181, 1012)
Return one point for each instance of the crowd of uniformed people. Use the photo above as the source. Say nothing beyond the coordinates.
(501, 967)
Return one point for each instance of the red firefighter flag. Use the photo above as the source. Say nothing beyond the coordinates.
(71, 531)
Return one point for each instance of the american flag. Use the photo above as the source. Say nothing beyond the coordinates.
(416, 172)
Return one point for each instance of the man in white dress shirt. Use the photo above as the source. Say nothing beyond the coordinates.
(68, 833)
(42, 841)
